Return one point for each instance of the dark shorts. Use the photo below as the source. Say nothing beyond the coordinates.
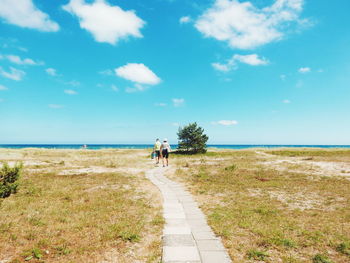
(157, 153)
(165, 153)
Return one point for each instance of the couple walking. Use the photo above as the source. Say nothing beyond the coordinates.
(162, 150)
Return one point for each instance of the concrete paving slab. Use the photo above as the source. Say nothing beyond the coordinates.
(214, 257)
(177, 230)
(185, 254)
(178, 241)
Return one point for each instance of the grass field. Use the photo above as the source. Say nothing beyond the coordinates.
(81, 206)
(287, 205)
(270, 206)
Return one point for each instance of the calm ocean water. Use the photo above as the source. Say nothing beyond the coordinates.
(147, 146)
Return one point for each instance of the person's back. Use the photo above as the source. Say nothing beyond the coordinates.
(156, 149)
(165, 145)
(165, 150)
(157, 145)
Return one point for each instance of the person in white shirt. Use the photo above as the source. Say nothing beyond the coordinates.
(165, 150)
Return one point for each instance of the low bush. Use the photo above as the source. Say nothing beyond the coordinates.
(9, 179)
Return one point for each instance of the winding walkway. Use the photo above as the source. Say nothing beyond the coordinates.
(186, 235)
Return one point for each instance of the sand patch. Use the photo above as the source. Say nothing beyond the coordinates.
(305, 165)
(300, 200)
(100, 169)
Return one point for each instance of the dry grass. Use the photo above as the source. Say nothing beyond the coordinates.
(268, 215)
(106, 213)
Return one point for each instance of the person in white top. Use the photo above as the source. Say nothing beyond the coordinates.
(165, 150)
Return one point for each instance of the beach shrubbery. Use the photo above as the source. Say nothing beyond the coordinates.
(9, 179)
(192, 139)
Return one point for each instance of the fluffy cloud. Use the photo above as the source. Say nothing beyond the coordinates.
(14, 74)
(245, 26)
(222, 67)
(178, 102)
(232, 63)
(185, 19)
(225, 122)
(138, 73)
(51, 72)
(70, 92)
(304, 70)
(286, 101)
(105, 22)
(3, 87)
(27, 61)
(24, 13)
(252, 59)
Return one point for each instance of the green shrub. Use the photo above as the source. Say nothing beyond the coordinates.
(9, 179)
(344, 248)
(257, 255)
(321, 259)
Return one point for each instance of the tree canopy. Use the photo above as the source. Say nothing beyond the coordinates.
(192, 139)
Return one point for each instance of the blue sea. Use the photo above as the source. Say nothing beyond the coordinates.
(147, 146)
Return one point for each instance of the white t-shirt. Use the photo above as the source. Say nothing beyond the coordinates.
(165, 145)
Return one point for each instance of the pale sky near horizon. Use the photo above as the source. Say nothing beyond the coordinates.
(128, 71)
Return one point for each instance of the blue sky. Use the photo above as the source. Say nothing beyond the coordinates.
(122, 71)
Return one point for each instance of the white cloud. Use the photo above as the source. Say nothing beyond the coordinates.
(175, 124)
(105, 22)
(1, 100)
(283, 77)
(221, 67)
(70, 92)
(160, 104)
(185, 19)
(252, 59)
(14, 74)
(232, 63)
(24, 13)
(304, 70)
(178, 102)
(114, 88)
(225, 122)
(56, 106)
(286, 101)
(138, 73)
(51, 72)
(3, 87)
(27, 61)
(245, 26)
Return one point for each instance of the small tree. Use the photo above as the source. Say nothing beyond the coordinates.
(8, 179)
(192, 139)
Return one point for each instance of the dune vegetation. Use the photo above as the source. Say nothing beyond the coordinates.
(274, 205)
(80, 206)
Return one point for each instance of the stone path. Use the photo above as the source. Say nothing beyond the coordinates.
(186, 235)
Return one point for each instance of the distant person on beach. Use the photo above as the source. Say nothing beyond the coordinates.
(165, 150)
(156, 150)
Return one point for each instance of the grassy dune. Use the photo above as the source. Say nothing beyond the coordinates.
(288, 205)
(274, 206)
(81, 206)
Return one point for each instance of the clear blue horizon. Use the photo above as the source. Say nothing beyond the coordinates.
(116, 71)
